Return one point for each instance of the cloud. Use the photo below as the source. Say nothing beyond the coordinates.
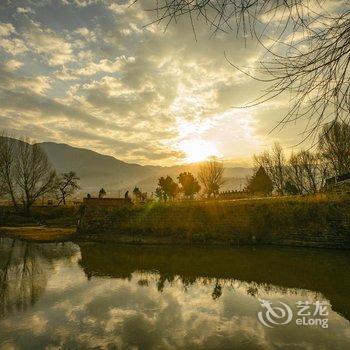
(25, 10)
(104, 65)
(96, 67)
(12, 65)
(51, 46)
(13, 46)
(9, 44)
(6, 29)
(10, 82)
(86, 33)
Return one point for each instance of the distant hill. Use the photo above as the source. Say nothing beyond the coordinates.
(97, 170)
(94, 169)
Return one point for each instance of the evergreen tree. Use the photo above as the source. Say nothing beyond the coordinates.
(260, 182)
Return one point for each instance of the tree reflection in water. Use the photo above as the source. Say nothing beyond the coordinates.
(264, 269)
(113, 296)
(24, 269)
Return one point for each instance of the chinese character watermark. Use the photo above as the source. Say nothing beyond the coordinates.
(308, 314)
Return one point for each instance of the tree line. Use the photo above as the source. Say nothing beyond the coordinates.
(210, 178)
(305, 171)
(27, 175)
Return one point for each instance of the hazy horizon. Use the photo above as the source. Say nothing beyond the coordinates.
(226, 162)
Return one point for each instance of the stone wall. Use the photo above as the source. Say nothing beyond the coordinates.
(104, 202)
(324, 224)
(95, 213)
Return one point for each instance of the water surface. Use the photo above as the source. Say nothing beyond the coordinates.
(105, 296)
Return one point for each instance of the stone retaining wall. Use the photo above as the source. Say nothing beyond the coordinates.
(314, 224)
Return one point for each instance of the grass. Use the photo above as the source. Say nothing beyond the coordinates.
(39, 233)
(260, 221)
(63, 216)
(243, 221)
(43, 224)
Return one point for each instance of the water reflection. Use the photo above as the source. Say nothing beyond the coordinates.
(125, 297)
(24, 269)
(322, 271)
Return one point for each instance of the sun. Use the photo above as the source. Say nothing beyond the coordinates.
(198, 150)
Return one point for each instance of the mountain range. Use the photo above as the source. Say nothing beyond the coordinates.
(115, 176)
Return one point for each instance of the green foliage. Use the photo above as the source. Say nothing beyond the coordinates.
(260, 182)
(189, 184)
(167, 188)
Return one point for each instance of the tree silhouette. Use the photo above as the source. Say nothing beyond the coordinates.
(34, 176)
(137, 193)
(260, 182)
(306, 172)
(65, 186)
(167, 188)
(334, 146)
(102, 193)
(189, 184)
(211, 176)
(25, 171)
(274, 163)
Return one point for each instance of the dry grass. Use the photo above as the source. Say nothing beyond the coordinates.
(225, 220)
(38, 233)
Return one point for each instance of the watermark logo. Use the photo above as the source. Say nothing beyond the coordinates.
(307, 314)
(274, 315)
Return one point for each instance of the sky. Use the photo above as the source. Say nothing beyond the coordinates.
(98, 74)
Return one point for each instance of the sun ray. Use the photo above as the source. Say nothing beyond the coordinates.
(197, 150)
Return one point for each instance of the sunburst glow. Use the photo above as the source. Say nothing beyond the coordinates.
(197, 150)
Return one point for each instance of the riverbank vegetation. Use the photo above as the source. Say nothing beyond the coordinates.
(49, 216)
(44, 224)
(314, 219)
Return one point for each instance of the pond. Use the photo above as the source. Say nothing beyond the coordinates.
(106, 296)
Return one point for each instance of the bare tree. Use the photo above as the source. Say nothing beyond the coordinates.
(307, 172)
(8, 158)
(2, 189)
(274, 163)
(224, 15)
(34, 176)
(309, 57)
(334, 145)
(65, 186)
(211, 176)
(303, 172)
(295, 173)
